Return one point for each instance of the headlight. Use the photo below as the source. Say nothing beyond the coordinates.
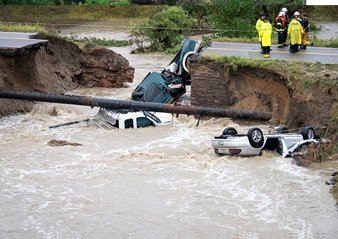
(221, 142)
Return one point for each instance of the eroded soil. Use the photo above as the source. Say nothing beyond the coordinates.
(297, 94)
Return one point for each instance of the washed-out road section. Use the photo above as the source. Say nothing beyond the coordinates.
(16, 43)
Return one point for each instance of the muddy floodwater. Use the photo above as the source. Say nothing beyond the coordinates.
(161, 182)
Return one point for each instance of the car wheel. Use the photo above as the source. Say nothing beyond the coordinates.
(229, 131)
(282, 130)
(256, 138)
(184, 60)
(308, 133)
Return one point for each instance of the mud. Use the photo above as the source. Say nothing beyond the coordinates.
(59, 68)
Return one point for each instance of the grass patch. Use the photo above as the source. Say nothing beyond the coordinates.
(22, 28)
(62, 14)
(100, 42)
(240, 61)
(119, 3)
(333, 43)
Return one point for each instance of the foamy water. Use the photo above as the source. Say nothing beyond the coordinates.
(161, 182)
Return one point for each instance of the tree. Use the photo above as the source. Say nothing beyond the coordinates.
(165, 29)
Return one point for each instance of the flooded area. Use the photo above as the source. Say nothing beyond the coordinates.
(327, 30)
(163, 182)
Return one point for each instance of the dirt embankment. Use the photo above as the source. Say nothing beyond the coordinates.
(58, 68)
(297, 94)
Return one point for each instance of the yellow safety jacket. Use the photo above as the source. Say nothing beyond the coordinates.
(295, 32)
(266, 30)
(259, 24)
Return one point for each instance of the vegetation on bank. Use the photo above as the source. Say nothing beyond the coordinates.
(99, 42)
(164, 30)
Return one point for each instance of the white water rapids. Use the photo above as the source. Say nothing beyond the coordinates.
(151, 182)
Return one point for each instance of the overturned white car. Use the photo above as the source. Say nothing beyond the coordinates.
(252, 143)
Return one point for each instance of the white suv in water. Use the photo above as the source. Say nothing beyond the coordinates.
(138, 119)
(252, 143)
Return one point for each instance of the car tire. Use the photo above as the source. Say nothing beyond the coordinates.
(282, 130)
(184, 60)
(256, 138)
(229, 131)
(308, 133)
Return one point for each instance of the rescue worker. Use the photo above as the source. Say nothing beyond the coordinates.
(305, 24)
(280, 28)
(286, 24)
(295, 32)
(259, 24)
(266, 31)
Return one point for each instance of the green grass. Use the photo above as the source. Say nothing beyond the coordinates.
(22, 28)
(241, 61)
(62, 14)
(119, 3)
(326, 43)
(100, 42)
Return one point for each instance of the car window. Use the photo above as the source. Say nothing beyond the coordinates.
(143, 122)
(152, 93)
(128, 124)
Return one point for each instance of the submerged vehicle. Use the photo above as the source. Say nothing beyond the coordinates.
(157, 87)
(169, 84)
(138, 119)
(252, 143)
(122, 119)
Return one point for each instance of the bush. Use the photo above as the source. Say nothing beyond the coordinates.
(233, 18)
(164, 30)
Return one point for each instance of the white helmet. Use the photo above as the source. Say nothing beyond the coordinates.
(284, 9)
(281, 14)
(296, 14)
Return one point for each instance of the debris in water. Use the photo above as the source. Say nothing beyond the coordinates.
(57, 143)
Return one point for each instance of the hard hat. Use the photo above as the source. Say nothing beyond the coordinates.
(284, 9)
(281, 14)
(296, 14)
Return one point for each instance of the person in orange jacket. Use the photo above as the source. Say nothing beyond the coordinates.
(305, 24)
(266, 31)
(286, 20)
(280, 28)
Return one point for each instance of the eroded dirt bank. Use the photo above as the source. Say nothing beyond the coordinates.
(58, 68)
(297, 94)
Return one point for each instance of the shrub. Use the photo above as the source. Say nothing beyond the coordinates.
(164, 30)
(233, 18)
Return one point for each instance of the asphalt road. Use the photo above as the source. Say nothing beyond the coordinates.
(13, 43)
(311, 54)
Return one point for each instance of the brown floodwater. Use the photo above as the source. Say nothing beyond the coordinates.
(161, 182)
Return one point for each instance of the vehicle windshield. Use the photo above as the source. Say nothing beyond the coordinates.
(152, 116)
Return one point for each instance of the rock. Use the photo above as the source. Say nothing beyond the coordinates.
(58, 143)
(104, 68)
(334, 157)
(306, 155)
(333, 179)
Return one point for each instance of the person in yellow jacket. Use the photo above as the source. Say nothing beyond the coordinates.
(295, 32)
(266, 31)
(259, 24)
